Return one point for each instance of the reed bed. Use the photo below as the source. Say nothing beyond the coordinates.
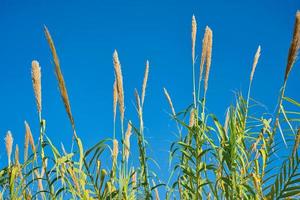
(237, 159)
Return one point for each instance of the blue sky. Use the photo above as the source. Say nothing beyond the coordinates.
(87, 32)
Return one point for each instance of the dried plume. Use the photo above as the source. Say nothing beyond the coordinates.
(294, 48)
(169, 101)
(60, 78)
(203, 53)
(145, 82)
(37, 86)
(17, 162)
(115, 100)
(28, 139)
(208, 57)
(226, 121)
(119, 80)
(138, 102)
(192, 118)
(127, 140)
(255, 61)
(26, 143)
(194, 33)
(115, 151)
(8, 145)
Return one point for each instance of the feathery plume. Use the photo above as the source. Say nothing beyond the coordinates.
(294, 48)
(28, 137)
(115, 100)
(119, 80)
(127, 140)
(60, 78)
(26, 143)
(192, 118)
(17, 155)
(169, 101)
(145, 82)
(203, 53)
(138, 102)
(194, 33)
(226, 122)
(208, 57)
(8, 144)
(115, 151)
(37, 86)
(255, 61)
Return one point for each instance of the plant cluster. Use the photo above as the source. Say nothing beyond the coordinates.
(236, 159)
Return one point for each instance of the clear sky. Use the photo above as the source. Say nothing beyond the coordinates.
(87, 32)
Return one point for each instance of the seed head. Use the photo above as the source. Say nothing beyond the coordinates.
(145, 82)
(255, 61)
(127, 140)
(294, 48)
(169, 101)
(119, 80)
(208, 57)
(194, 33)
(37, 86)
(8, 144)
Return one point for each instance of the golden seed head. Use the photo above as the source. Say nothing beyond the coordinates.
(28, 135)
(294, 48)
(17, 155)
(127, 140)
(26, 143)
(60, 78)
(169, 101)
(208, 57)
(115, 150)
(227, 122)
(203, 53)
(194, 33)
(36, 81)
(138, 102)
(192, 118)
(119, 80)
(115, 100)
(255, 61)
(145, 82)
(9, 144)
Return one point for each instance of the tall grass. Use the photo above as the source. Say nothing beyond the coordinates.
(237, 159)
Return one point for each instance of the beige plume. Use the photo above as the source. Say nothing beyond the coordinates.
(9, 140)
(255, 61)
(169, 101)
(194, 33)
(208, 57)
(60, 78)
(145, 82)
(37, 86)
(294, 48)
(119, 80)
(127, 140)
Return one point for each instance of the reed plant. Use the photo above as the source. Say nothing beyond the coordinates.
(212, 158)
